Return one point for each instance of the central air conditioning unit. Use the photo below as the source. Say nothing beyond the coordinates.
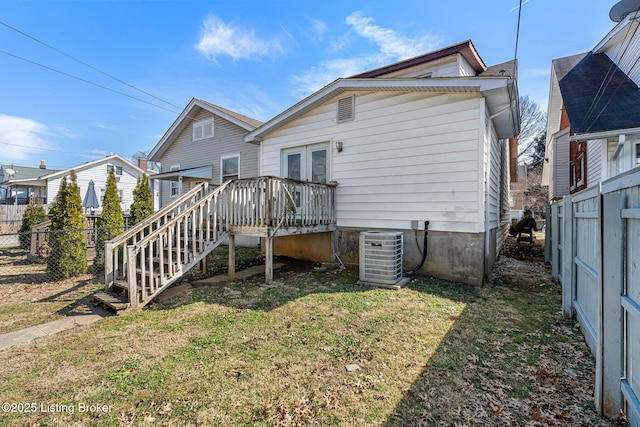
(381, 259)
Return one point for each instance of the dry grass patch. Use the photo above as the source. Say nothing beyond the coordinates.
(318, 350)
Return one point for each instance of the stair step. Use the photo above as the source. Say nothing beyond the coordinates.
(111, 300)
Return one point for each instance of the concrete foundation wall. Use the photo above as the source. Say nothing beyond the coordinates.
(316, 247)
(451, 256)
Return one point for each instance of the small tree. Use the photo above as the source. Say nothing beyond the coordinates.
(110, 222)
(33, 215)
(67, 240)
(142, 205)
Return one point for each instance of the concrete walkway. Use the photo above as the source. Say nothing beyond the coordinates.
(29, 334)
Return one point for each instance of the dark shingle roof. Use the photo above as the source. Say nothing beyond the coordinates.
(597, 95)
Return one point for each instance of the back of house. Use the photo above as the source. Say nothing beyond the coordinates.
(415, 142)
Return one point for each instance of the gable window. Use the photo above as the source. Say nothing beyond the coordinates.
(202, 129)
(118, 169)
(230, 167)
(346, 109)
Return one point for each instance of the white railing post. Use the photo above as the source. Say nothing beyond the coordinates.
(132, 276)
(108, 264)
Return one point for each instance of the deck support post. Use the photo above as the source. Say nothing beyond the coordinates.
(268, 260)
(232, 256)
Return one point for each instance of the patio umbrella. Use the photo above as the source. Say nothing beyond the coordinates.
(90, 199)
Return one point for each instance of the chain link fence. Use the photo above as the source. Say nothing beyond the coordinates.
(51, 255)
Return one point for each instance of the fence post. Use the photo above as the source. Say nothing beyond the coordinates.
(555, 234)
(547, 239)
(609, 357)
(568, 270)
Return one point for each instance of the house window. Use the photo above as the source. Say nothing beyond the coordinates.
(230, 167)
(637, 154)
(202, 129)
(174, 188)
(346, 109)
(103, 191)
(118, 170)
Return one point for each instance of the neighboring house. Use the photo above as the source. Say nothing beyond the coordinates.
(13, 193)
(205, 143)
(593, 124)
(46, 184)
(419, 140)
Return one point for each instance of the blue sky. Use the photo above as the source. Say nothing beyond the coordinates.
(254, 57)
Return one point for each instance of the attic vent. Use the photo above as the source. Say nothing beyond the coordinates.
(346, 108)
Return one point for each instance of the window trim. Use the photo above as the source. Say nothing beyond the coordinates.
(117, 169)
(174, 185)
(226, 157)
(636, 162)
(202, 125)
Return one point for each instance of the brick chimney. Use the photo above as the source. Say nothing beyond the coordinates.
(143, 163)
(42, 164)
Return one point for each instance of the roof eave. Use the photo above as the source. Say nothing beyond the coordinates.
(179, 124)
(435, 85)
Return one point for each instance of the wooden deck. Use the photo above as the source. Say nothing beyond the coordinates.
(151, 256)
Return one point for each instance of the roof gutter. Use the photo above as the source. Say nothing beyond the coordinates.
(604, 134)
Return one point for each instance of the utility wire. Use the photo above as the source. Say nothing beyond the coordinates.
(515, 55)
(30, 147)
(86, 81)
(88, 65)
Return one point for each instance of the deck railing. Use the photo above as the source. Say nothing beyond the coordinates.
(152, 255)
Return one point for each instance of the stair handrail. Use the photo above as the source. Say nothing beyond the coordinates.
(110, 246)
(159, 214)
(146, 239)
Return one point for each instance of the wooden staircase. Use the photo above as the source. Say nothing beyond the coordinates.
(149, 257)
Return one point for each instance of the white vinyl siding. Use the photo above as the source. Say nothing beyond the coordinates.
(594, 161)
(624, 51)
(125, 184)
(451, 66)
(408, 156)
(559, 179)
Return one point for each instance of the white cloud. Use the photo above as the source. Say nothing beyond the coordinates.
(21, 137)
(219, 38)
(318, 27)
(326, 72)
(392, 47)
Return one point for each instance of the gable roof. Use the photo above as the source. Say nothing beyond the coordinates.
(184, 119)
(52, 174)
(499, 92)
(466, 49)
(93, 163)
(596, 94)
(24, 172)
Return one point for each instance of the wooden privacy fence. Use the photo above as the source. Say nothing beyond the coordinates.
(594, 250)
